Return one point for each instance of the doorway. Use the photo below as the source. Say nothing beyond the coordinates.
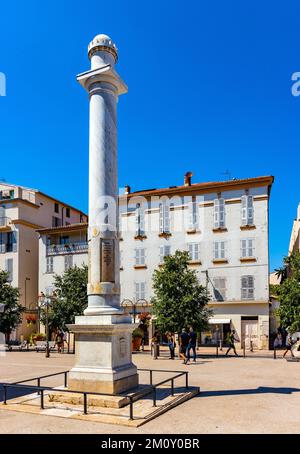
(250, 332)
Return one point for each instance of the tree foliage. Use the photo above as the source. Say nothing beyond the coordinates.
(288, 293)
(70, 298)
(9, 296)
(179, 300)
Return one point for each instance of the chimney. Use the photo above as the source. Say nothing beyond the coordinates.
(188, 179)
(127, 189)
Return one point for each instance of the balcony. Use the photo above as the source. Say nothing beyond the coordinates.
(5, 225)
(72, 248)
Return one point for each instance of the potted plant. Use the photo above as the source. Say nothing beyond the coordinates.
(137, 337)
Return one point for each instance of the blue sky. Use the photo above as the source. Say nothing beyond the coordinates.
(209, 90)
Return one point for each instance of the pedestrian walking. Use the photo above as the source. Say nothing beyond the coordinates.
(59, 341)
(288, 346)
(183, 341)
(171, 344)
(191, 346)
(230, 340)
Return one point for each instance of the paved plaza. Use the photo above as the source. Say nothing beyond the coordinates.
(256, 394)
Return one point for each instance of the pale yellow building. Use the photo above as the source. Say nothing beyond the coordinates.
(22, 212)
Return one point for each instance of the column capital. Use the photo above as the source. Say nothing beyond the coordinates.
(105, 74)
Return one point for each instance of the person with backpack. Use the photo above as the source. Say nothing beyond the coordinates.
(183, 342)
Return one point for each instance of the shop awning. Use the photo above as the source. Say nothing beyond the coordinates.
(219, 321)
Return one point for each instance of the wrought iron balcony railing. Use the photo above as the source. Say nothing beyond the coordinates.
(72, 248)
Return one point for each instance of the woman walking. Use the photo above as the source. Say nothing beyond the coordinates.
(171, 344)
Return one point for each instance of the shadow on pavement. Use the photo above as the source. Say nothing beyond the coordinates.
(259, 390)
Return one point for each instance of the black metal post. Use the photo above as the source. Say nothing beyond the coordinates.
(66, 379)
(172, 387)
(47, 331)
(5, 394)
(151, 377)
(274, 353)
(134, 312)
(186, 379)
(85, 403)
(39, 384)
(217, 351)
(244, 350)
(130, 408)
(42, 399)
(154, 396)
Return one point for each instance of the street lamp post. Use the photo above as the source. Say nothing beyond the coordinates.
(139, 302)
(46, 301)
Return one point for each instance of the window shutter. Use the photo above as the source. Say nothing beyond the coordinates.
(167, 250)
(2, 242)
(161, 218)
(142, 221)
(244, 210)
(166, 218)
(191, 251)
(142, 290)
(222, 249)
(250, 211)
(243, 248)
(221, 213)
(142, 256)
(137, 221)
(216, 250)
(14, 241)
(136, 251)
(216, 214)
(9, 269)
(161, 254)
(250, 248)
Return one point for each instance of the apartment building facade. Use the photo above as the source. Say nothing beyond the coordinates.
(22, 211)
(294, 245)
(223, 226)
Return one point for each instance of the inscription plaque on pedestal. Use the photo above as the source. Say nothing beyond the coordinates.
(107, 261)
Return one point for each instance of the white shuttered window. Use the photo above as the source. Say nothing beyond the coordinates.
(219, 213)
(164, 218)
(219, 288)
(247, 284)
(247, 212)
(163, 252)
(194, 251)
(219, 251)
(139, 220)
(9, 269)
(139, 256)
(140, 291)
(247, 247)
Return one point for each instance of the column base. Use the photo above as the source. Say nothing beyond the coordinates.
(103, 355)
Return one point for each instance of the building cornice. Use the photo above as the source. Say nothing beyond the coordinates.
(205, 188)
(63, 229)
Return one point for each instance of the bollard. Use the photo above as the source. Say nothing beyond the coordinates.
(274, 352)
(244, 350)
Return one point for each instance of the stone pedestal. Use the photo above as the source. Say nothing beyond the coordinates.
(103, 355)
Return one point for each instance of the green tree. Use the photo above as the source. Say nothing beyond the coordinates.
(288, 293)
(179, 300)
(11, 317)
(70, 298)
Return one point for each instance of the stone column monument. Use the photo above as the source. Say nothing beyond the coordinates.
(103, 334)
